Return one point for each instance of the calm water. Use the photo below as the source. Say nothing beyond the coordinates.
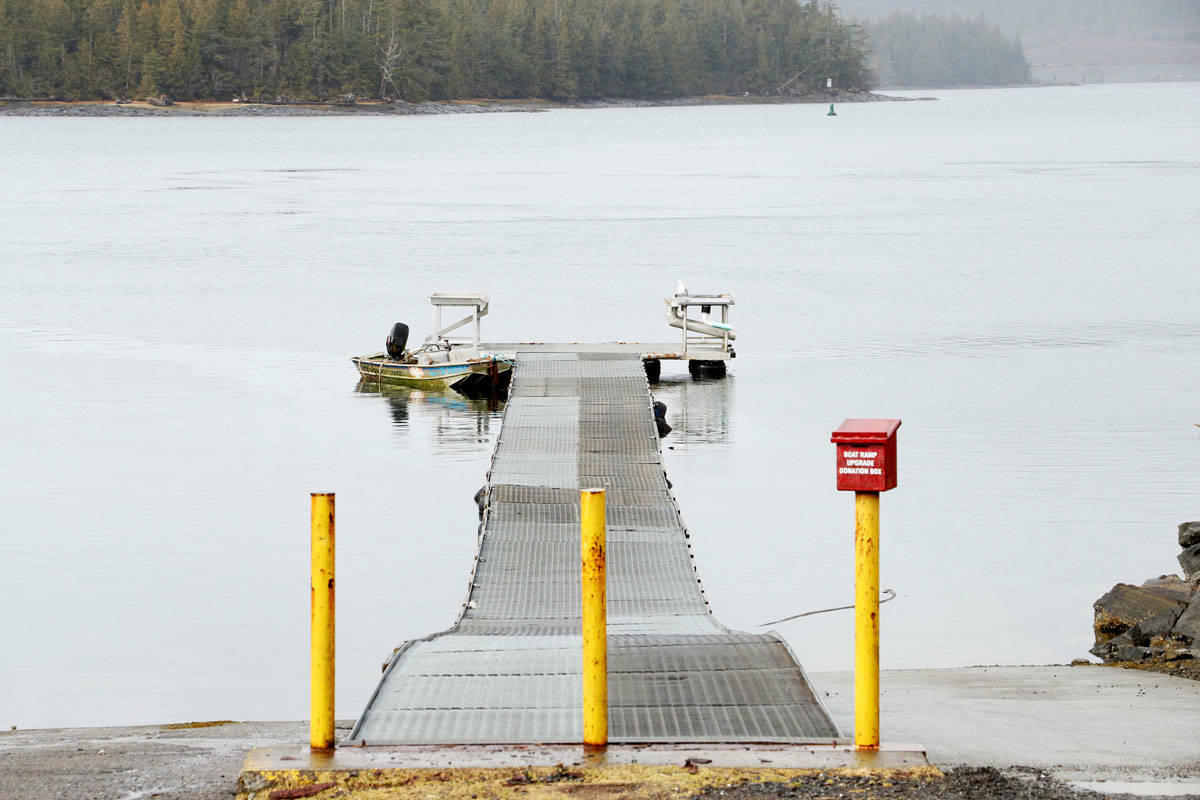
(1011, 272)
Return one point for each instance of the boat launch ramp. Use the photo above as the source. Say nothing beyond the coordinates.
(509, 671)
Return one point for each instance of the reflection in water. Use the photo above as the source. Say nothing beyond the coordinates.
(457, 420)
(698, 409)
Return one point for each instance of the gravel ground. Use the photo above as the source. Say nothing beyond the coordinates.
(983, 783)
(1185, 668)
(663, 783)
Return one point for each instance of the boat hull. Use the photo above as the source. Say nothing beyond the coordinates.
(482, 373)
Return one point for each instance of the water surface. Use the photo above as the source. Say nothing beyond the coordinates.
(1012, 272)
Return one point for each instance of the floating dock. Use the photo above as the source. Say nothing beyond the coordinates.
(510, 670)
(647, 351)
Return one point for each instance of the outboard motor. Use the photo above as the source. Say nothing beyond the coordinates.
(397, 340)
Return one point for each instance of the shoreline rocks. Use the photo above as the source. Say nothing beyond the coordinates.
(1159, 620)
(1189, 540)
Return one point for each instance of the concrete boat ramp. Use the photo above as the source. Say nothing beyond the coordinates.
(509, 671)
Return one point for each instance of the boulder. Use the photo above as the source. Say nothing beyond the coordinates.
(1189, 534)
(1189, 560)
(1172, 586)
(1129, 652)
(1188, 624)
(1158, 627)
(1105, 649)
(1125, 606)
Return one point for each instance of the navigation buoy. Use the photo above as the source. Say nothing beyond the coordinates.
(831, 113)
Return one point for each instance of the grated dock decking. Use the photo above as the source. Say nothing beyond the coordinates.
(510, 670)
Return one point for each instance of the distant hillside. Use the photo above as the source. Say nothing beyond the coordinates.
(934, 51)
(1040, 21)
(1077, 40)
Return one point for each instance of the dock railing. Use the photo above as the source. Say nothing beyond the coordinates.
(703, 333)
(478, 303)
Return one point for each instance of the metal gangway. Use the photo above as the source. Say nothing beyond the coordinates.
(509, 670)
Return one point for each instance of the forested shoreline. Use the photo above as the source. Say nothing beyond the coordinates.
(419, 50)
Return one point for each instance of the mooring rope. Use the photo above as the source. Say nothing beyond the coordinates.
(890, 596)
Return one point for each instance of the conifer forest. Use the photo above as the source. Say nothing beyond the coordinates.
(418, 50)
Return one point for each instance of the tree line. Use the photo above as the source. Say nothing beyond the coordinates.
(418, 50)
(933, 51)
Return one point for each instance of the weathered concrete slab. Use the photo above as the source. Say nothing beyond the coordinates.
(1084, 720)
(759, 756)
(120, 763)
(1082, 723)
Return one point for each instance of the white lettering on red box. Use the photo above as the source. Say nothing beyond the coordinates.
(859, 462)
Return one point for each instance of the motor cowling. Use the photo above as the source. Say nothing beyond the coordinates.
(397, 340)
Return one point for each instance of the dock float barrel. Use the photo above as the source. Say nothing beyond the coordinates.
(321, 585)
(594, 617)
(866, 465)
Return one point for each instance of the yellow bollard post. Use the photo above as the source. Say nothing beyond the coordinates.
(321, 719)
(866, 465)
(866, 620)
(594, 614)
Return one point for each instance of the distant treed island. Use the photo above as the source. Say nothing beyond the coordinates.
(419, 50)
(1080, 41)
(931, 51)
(1040, 21)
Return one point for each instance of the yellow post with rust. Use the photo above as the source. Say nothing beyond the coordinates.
(321, 719)
(595, 621)
(866, 620)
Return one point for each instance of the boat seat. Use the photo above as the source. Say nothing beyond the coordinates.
(435, 357)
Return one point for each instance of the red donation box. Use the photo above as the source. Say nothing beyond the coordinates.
(866, 455)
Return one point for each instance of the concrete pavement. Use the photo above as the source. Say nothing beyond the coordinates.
(1076, 721)
(1084, 723)
(127, 763)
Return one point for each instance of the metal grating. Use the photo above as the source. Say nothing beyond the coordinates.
(509, 670)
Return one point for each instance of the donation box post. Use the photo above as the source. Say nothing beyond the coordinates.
(866, 465)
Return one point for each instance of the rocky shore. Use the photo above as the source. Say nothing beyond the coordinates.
(1156, 625)
(164, 107)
